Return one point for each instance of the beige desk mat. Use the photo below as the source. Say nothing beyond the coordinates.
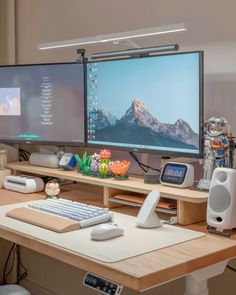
(136, 241)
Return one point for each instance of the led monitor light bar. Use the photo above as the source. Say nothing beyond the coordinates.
(116, 36)
(135, 51)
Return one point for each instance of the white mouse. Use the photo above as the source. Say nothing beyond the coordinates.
(106, 231)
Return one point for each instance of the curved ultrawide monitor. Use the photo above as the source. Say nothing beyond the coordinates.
(149, 104)
(42, 104)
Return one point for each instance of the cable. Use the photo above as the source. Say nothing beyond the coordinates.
(11, 252)
(15, 253)
(24, 154)
(20, 266)
(142, 165)
(137, 160)
(231, 268)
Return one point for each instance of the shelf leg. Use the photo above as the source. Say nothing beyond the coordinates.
(196, 282)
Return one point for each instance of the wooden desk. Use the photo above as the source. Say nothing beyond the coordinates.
(138, 273)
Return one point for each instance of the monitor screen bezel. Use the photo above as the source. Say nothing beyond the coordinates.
(48, 142)
(161, 152)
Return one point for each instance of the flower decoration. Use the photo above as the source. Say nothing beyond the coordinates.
(95, 163)
(103, 169)
(119, 167)
(84, 162)
(105, 154)
(105, 157)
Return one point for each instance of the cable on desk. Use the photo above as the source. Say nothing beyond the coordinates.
(231, 268)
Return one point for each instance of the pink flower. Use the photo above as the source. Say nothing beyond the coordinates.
(105, 154)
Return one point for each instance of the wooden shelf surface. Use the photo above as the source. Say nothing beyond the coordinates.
(132, 184)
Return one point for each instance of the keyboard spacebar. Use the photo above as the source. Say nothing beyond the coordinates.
(96, 220)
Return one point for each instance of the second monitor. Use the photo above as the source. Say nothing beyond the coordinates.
(148, 104)
(42, 104)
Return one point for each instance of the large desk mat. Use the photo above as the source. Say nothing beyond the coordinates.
(135, 241)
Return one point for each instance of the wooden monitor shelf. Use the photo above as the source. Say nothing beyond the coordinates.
(191, 204)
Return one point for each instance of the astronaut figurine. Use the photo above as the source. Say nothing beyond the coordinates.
(216, 148)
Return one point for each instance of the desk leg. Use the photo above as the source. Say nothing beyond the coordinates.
(196, 282)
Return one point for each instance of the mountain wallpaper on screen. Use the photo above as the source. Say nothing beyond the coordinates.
(139, 126)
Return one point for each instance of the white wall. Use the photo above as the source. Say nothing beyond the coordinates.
(219, 80)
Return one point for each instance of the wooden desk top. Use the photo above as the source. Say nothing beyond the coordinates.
(140, 272)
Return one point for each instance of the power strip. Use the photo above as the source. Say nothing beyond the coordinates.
(102, 285)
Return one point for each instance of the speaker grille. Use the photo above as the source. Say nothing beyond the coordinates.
(219, 198)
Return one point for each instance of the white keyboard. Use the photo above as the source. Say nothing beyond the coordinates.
(86, 215)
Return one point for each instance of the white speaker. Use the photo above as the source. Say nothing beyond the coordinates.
(221, 206)
(45, 160)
